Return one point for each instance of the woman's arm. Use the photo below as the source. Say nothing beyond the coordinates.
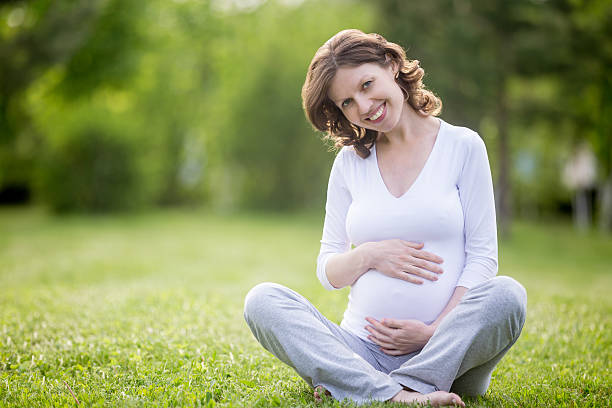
(475, 188)
(334, 241)
(344, 269)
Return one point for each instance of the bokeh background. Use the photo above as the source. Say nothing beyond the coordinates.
(109, 105)
(155, 164)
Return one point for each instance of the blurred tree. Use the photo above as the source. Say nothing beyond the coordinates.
(260, 141)
(109, 55)
(147, 66)
(41, 35)
(173, 93)
(585, 79)
(569, 83)
(206, 94)
(208, 91)
(37, 35)
(92, 170)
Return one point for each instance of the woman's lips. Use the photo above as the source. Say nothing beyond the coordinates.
(379, 115)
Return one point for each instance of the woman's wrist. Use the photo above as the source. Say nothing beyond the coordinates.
(431, 329)
(366, 252)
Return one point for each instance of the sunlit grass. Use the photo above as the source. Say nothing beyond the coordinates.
(147, 310)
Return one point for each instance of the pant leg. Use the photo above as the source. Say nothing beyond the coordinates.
(470, 340)
(291, 328)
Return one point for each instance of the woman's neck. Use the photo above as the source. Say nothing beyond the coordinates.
(411, 127)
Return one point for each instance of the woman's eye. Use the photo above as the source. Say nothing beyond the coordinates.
(345, 103)
(366, 84)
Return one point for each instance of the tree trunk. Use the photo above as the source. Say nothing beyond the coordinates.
(503, 202)
(605, 205)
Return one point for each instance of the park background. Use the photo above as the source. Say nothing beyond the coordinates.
(155, 163)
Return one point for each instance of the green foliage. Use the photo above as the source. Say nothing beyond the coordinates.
(214, 91)
(34, 37)
(214, 87)
(109, 55)
(146, 310)
(94, 168)
(269, 153)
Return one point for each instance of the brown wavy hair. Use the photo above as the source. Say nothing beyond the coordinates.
(352, 48)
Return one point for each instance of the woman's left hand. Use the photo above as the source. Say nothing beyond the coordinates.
(397, 337)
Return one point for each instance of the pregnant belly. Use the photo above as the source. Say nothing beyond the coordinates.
(380, 296)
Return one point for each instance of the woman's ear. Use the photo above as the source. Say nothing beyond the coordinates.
(394, 66)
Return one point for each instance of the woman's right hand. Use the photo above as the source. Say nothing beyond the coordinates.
(403, 260)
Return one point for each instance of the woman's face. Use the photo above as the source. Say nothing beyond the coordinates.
(368, 96)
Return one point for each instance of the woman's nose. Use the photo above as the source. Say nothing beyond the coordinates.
(364, 105)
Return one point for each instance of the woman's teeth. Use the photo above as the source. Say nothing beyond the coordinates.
(378, 113)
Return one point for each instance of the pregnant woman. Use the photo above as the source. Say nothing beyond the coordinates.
(410, 227)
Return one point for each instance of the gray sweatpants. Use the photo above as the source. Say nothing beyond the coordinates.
(459, 357)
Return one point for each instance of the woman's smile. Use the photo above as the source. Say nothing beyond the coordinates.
(379, 114)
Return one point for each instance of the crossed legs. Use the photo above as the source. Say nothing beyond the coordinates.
(462, 353)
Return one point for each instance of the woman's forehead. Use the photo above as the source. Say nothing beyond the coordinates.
(349, 78)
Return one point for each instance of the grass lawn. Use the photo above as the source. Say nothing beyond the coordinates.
(146, 310)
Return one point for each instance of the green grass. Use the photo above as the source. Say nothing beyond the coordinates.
(146, 310)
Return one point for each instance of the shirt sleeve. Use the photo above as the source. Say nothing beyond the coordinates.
(478, 203)
(335, 239)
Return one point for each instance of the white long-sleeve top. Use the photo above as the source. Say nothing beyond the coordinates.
(450, 208)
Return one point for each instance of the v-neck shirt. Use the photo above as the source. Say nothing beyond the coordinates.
(449, 207)
(374, 152)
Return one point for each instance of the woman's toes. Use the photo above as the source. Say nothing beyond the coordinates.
(456, 399)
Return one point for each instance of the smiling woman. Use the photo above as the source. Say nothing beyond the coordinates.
(413, 195)
(325, 111)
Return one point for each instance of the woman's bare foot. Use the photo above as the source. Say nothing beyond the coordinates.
(319, 392)
(436, 399)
